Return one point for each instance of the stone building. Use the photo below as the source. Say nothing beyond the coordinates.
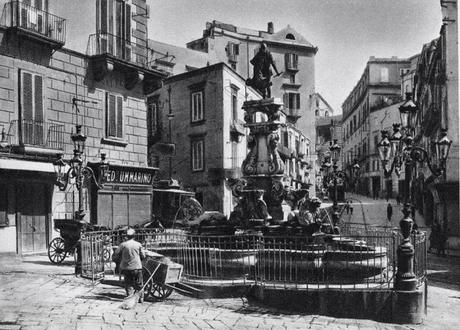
(378, 87)
(436, 95)
(99, 80)
(200, 112)
(292, 53)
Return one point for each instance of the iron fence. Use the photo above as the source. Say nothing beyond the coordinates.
(129, 51)
(20, 15)
(36, 133)
(322, 261)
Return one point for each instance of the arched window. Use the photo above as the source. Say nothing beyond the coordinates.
(290, 36)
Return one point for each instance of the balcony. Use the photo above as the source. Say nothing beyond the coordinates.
(37, 137)
(237, 130)
(137, 62)
(293, 114)
(34, 23)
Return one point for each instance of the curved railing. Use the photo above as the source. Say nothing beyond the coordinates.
(351, 261)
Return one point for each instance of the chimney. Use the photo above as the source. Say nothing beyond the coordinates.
(270, 27)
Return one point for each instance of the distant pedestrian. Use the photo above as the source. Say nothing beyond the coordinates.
(347, 207)
(351, 208)
(389, 212)
(412, 212)
(398, 199)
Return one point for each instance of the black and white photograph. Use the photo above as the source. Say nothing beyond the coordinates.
(245, 164)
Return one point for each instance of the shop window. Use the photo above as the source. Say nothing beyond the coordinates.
(31, 111)
(291, 61)
(114, 116)
(197, 155)
(197, 106)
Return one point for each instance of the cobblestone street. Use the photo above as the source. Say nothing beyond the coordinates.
(38, 295)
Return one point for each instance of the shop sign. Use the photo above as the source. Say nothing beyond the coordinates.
(127, 175)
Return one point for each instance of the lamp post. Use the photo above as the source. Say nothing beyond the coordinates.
(399, 149)
(355, 173)
(335, 174)
(77, 170)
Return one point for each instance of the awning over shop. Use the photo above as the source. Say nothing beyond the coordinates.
(25, 165)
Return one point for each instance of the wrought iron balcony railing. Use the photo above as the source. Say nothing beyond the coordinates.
(40, 23)
(128, 51)
(37, 134)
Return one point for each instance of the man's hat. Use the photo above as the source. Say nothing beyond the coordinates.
(130, 232)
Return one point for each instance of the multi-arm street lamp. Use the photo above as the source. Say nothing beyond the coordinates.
(335, 174)
(78, 170)
(399, 149)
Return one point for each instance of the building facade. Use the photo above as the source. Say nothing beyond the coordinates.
(200, 113)
(436, 94)
(292, 53)
(47, 87)
(378, 87)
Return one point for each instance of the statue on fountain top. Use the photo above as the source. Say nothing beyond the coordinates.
(262, 63)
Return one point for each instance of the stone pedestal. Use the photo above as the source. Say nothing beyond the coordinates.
(262, 168)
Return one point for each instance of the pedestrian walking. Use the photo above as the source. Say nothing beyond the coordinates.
(351, 208)
(389, 212)
(347, 207)
(130, 254)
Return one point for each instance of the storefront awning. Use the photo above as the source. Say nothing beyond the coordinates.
(25, 165)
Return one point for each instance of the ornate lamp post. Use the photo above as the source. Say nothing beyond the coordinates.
(77, 170)
(355, 172)
(399, 149)
(335, 174)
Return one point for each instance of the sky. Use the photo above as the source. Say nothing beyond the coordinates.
(346, 32)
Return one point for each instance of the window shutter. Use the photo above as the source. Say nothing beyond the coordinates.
(103, 16)
(297, 96)
(237, 49)
(119, 117)
(27, 103)
(286, 100)
(38, 95)
(128, 23)
(296, 60)
(111, 115)
(286, 60)
(229, 48)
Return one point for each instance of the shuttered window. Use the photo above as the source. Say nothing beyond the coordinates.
(31, 113)
(291, 61)
(114, 110)
(292, 100)
(197, 155)
(197, 106)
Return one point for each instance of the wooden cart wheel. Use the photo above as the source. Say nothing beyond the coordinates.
(160, 291)
(57, 250)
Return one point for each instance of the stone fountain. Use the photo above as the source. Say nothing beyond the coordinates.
(260, 191)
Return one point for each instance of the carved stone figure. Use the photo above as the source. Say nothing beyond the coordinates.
(262, 63)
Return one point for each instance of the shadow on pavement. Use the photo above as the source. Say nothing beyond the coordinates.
(104, 296)
(48, 263)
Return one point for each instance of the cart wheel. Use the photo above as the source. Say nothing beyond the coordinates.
(57, 251)
(160, 291)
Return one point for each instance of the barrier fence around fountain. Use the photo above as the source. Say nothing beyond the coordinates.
(299, 262)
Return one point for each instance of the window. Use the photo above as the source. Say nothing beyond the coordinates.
(31, 108)
(233, 50)
(197, 106)
(198, 155)
(290, 36)
(292, 78)
(113, 25)
(154, 113)
(291, 61)
(234, 102)
(292, 100)
(235, 162)
(114, 113)
(384, 75)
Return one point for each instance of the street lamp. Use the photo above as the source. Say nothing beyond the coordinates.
(66, 170)
(400, 149)
(335, 174)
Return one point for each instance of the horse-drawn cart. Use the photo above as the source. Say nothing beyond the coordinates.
(60, 247)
